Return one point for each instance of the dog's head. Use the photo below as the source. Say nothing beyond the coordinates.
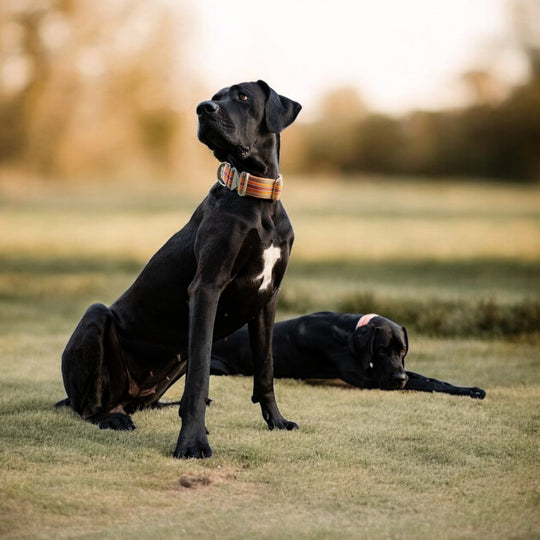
(380, 346)
(241, 123)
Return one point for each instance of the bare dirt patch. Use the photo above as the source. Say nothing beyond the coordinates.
(199, 480)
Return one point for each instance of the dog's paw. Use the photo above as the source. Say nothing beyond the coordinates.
(286, 424)
(117, 421)
(276, 421)
(477, 393)
(195, 450)
(63, 403)
(193, 447)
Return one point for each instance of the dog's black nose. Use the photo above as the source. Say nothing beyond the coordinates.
(209, 107)
(399, 378)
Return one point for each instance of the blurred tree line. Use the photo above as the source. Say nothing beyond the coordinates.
(90, 88)
(496, 136)
(486, 139)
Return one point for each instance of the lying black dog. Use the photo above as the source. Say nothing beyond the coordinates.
(221, 271)
(366, 351)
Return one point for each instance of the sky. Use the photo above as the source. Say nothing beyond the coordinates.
(400, 55)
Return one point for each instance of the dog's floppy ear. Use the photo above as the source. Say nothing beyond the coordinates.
(406, 343)
(362, 342)
(280, 111)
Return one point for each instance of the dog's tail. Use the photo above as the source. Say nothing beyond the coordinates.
(63, 403)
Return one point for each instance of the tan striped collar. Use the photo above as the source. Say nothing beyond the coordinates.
(249, 185)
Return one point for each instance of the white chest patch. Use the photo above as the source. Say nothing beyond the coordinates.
(271, 255)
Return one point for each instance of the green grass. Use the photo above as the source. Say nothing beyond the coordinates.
(364, 464)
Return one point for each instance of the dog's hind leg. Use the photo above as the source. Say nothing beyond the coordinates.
(82, 361)
(85, 372)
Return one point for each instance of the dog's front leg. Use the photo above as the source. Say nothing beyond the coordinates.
(420, 383)
(260, 336)
(193, 441)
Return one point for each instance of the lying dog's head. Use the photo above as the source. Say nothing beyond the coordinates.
(241, 123)
(380, 346)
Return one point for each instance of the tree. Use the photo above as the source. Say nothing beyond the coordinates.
(87, 86)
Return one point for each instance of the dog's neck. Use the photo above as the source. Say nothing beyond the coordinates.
(247, 184)
(260, 161)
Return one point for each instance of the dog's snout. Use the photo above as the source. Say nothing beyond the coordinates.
(399, 379)
(208, 107)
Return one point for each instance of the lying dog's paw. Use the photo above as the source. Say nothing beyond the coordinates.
(117, 421)
(477, 393)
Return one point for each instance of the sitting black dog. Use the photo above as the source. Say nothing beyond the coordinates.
(366, 351)
(222, 270)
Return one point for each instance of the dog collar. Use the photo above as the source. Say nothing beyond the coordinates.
(365, 319)
(249, 185)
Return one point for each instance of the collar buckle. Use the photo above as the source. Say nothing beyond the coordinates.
(248, 185)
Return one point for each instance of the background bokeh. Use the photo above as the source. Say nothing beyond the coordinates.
(108, 89)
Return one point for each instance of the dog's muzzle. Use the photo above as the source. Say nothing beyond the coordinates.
(396, 381)
(207, 108)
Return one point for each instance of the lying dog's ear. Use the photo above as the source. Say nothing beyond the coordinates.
(362, 342)
(280, 111)
(406, 343)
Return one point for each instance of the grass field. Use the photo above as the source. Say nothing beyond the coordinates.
(458, 263)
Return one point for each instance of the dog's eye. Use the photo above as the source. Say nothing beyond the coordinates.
(242, 97)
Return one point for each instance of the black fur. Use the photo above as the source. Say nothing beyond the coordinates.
(202, 285)
(328, 346)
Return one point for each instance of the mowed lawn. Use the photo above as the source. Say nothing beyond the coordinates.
(364, 464)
